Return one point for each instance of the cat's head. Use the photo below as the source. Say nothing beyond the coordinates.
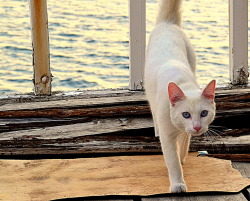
(193, 112)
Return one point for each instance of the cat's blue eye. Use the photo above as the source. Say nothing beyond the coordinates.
(186, 115)
(204, 113)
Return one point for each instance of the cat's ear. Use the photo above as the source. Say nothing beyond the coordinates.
(175, 93)
(209, 91)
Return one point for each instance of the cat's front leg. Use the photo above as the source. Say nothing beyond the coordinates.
(155, 125)
(172, 159)
(183, 142)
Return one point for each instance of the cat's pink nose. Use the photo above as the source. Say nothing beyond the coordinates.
(197, 128)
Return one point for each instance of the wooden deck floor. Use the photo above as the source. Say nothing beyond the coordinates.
(116, 123)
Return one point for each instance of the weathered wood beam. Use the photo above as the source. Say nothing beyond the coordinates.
(232, 157)
(8, 125)
(125, 110)
(81, 126)
(108, 144)
(223, 117)
(116, 136)
(101, 98)
(224, 102)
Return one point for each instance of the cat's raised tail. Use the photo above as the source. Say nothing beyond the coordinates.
(170, 11)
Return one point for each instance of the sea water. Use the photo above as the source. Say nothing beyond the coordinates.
(89, 42)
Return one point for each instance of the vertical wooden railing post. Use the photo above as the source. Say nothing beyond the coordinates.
(238, 45)
(40, 42)
(137, 41)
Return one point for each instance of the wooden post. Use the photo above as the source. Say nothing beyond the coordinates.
(238, 45)
(40, 42)
(137, 38)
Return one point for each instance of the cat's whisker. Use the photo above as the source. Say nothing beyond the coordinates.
(215, 130)
(206, 135)
(212, 136)
(215, 134)
(210, 139)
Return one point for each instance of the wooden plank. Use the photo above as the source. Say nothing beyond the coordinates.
(74, 103)
(243, 97)
(94, 127)
(61, 121)
(223, 117)
(231, 105)
(25, 98)
(224, 101)
(235, 132)
(79, 112)
(137, 41)
(122, 135)
(238, 41)
(40, 42)
(235, 118)
(88, 94)
(232, 90)
(232, 157)
(116, 135)
(8, 125)
(104, 137)
(238, 197)
(230, 108)
(15, 124)
(221, 145)
(244, 168)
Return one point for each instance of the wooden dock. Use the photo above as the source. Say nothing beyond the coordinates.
(117, 123)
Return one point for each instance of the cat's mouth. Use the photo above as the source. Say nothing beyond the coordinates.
(196, 133)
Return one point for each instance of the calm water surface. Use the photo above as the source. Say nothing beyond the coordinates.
(89, 42)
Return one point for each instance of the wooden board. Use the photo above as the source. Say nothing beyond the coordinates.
(80, 105)
(117, 121)
(126, 175)
(244, 168)
(100, 136)
(238, 197)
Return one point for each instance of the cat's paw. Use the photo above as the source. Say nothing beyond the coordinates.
(178, 188)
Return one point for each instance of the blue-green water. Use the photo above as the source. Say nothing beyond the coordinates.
(89, 42)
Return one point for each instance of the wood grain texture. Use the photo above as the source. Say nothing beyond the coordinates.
(244, 168)
(230, 107)
(238, 197)
(72, 123)
(232, 157)
(108, 135)
(24, 180)
(40, 43)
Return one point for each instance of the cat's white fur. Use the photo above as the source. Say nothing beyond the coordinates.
(171, 89)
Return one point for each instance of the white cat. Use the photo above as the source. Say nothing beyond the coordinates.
(179, 108)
